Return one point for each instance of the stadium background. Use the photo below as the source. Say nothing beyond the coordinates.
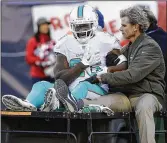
(18, 25)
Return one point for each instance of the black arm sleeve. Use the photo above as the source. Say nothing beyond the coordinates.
(64, 72)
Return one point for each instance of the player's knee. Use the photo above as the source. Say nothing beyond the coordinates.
(41, 83)
(46, 84)
(85, 84)
(119, 103)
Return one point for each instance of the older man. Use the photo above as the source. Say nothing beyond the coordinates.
(143, 81)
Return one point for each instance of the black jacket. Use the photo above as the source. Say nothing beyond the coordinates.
(160, 36)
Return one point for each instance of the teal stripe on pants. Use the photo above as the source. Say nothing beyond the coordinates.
(81, 90)
(37, 94)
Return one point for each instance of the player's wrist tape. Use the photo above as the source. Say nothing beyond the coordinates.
(122, 58)
(82, 66)
(85, 62)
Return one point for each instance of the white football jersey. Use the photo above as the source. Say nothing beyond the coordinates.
(101, 43)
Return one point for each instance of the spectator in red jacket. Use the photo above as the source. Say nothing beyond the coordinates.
(35, 51)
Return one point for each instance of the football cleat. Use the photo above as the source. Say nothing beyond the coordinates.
(93, 108)
(51, 103)
(16, 104)
(64, 96)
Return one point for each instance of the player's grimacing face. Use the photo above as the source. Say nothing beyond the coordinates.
(126, 28)
(82, 27)
(82, 30)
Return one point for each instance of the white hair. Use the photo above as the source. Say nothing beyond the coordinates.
(136, 15)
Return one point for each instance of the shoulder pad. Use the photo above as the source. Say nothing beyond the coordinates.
(61, 41)
(106, 37)
(63, 37)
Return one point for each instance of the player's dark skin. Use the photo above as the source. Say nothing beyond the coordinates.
(114, 68)
(66, 73)
(69, 74)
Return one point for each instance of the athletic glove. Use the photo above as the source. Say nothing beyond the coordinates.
(113, 59)
(90, 59)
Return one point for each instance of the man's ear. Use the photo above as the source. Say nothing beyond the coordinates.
(136, 27)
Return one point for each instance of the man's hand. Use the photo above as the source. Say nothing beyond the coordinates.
(120, 67)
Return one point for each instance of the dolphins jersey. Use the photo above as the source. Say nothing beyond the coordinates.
(74, 51)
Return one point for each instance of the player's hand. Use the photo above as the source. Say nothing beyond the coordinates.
(85, 59)
(91, 59)
(95, 59)
(93, 79)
